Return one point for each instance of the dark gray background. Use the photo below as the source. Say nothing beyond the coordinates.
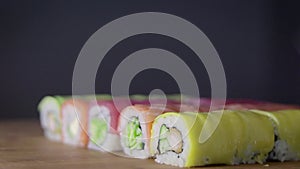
(257, 41)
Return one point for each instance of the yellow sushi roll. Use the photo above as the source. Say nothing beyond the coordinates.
(240, 137)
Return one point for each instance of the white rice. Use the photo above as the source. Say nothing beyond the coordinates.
(110, 144)
(281, 150)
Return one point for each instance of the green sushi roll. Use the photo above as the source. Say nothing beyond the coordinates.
(240, 137)
(49, 110)
(287, 134)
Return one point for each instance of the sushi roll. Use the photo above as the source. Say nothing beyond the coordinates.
(241, 137)
(74, 114)
(103, 124)
(287, 134)
(159, 99)
(259, 105)
(135, 128)
(104, 119)
(205, 104)
(178, 97)
(49, 111)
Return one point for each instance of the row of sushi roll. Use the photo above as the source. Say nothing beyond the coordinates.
(169, 129)
(89, 121)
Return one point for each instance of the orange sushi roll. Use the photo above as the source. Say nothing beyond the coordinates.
(135, 127)
(74, 114)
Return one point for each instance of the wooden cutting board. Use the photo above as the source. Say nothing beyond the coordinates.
(22, 145)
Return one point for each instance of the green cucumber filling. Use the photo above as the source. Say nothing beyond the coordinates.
(73, 128)
(170, 139)
(133, 138)
(98, 130)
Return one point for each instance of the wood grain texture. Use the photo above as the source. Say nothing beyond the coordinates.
(22, 145)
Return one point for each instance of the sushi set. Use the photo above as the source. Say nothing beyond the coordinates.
(169, 130)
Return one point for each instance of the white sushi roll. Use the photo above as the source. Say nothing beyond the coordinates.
(240, 137)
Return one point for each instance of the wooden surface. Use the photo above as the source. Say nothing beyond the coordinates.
(22, 145)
